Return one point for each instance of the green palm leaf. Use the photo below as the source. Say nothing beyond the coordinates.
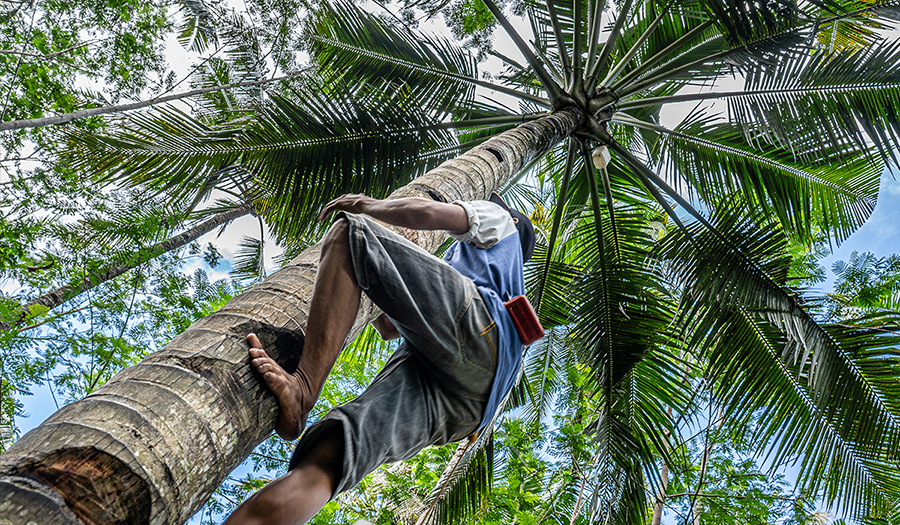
(541, 19)
(464, 487)
(620, 314)
(350, 43)
(366, 141)
(249, 260)
(835, 99)
(196, 29)
(716, 161)
(767, 354)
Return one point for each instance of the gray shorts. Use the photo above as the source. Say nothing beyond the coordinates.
(433, 389)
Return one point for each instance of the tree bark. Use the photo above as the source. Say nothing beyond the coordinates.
(152, 444)
(661, 497)
(121, 108)
(62, 294)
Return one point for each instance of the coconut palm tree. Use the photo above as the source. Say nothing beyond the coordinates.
(803, 145)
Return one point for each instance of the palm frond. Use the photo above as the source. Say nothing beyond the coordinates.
(240, 58)
(712, 58)
(242, 48)
(164, 149)
(367, 141)
(680, 35)
(612, 40)
(131, 220)
(745, 22)
(713, 55)
(349, 43)
(544, 279)
(619, 315)
(838, 194)
(875, 343)
(541, 16)
(860, 27)
(545, 367)
(768, 356)
(638, 39)
(463, 489)
(550, 86)
(197, 28)
(249, 260)
(361, 146)
(837, 99)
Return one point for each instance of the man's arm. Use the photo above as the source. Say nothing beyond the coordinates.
(412, 212)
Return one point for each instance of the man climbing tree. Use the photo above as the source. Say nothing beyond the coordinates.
(459, 356)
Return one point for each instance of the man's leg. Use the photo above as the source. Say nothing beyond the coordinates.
(296, 497)
(333, 309)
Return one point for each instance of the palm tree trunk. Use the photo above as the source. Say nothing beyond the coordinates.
(62, 294)
(152, 444)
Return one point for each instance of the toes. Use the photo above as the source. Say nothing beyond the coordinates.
(254, 341)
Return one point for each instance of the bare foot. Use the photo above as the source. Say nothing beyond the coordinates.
(291, 390)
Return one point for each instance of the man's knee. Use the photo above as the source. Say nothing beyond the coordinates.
(327, 453)
(338, 233)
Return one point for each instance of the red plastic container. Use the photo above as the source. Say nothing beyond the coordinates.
(525, 319)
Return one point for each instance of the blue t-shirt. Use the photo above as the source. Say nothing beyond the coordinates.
(497, 272)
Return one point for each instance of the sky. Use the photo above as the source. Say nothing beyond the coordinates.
(881, 232)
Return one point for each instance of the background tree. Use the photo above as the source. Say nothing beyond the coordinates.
(865, 284)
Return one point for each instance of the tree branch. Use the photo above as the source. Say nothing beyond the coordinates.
(68, 117)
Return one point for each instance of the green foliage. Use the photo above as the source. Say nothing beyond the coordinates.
(470, 19)
(70, 230)
(714, 479)
(113, 45)
(864, 285)
(16, 240)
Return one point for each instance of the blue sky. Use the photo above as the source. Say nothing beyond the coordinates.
(880, 234)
